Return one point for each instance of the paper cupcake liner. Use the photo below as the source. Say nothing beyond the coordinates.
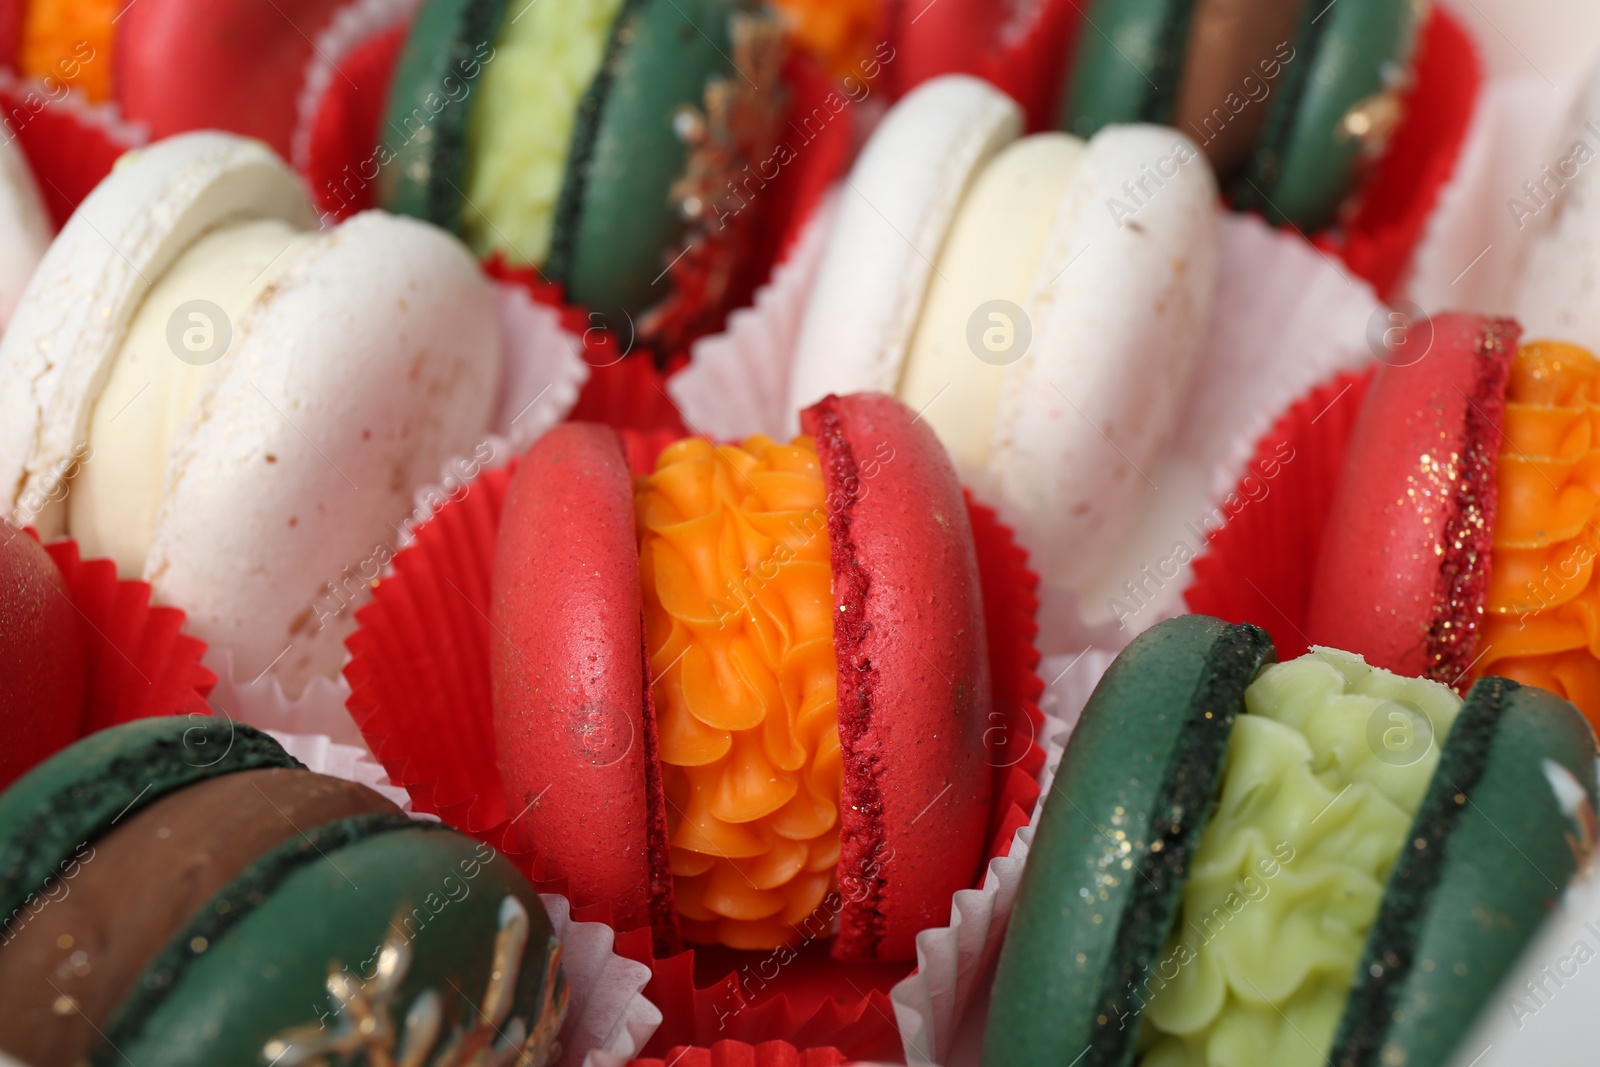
(139, 664)
(420, 691)
(70, 143)
(1258, 567)
(343, 96)
(737, 382)
(1394, 204)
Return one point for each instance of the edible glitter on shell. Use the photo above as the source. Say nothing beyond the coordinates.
(1467, 478)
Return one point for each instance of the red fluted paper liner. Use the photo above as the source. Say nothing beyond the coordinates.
(139, 663)
(1258, 567)
(70, 144)
(420, 692)
(1394, 205)
(739, 1054)
(342, 102)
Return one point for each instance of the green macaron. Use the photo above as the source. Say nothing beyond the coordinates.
(193, 895)
(1287, 100)
(1297, 863)
(560, 135)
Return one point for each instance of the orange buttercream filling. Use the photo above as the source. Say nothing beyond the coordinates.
(1542, 611)
(70, 41)
(733, 559)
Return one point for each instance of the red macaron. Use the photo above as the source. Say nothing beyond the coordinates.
(864, 570)
(1405, 559)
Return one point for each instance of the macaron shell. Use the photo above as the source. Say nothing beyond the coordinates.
(616, 230)
(1557, 296)
(1104, 879)
(242, 64)
(140, 885)
(1119, 304)
(49, 817)
(58, 349)
(896, 207)
(24, 226)
(1451, 927)
(371, 362)
(1420, 464)
(42, 680)
(1309, 151)
(914, 694)
(1232, 43)
(423, 169)
(574, 729)
(412, 913)
(1127, 69)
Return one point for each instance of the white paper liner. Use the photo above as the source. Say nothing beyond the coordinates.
(106, 116)
(1472, 248)
(607, 1012)
(955, 963)
(737, 381)
(350, 25)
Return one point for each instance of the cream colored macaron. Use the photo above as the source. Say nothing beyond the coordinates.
(1039, 301)
(24, 226)
(232, 404)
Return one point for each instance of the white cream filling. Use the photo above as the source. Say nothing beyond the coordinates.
(992, 252)
(156, 378)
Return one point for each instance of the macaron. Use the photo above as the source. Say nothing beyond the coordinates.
(24, 225)
(1286, 99)
(1309, 862)
(1039, 301)
(613, 146)
(41, 656)
(259, 397)
(181, 890)
(737, 683)
(1557, 293)
(1461, 537)
(244, 62)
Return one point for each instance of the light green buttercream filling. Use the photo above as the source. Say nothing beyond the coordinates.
(1325, 772)
(520, 132)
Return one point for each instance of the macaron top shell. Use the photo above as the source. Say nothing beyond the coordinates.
(1404, 562)
(24, 226)
(42, 679)
(897, 206)
(914, 693)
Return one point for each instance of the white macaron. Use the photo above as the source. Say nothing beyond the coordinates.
(24, 227)
(232, 404)
(1039, 301)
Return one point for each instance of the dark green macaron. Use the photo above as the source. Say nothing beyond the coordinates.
(610, 227)
(1285, 99)
(218, 903)
(1200, 800)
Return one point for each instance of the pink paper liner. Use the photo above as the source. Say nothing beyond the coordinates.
(1258, 567)
(739, 1054)
(70, 144)
(420, 692)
